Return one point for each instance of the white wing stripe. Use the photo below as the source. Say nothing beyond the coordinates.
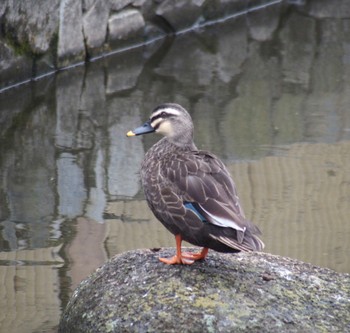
(222, 222)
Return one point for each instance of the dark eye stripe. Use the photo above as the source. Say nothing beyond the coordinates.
(162, 115)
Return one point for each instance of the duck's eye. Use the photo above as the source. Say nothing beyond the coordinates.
(163, 114)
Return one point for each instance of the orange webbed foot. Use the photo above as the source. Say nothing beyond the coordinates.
(196, 256)
(184, 258)
(176, 260)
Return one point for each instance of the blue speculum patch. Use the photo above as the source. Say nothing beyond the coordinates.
(190, 206)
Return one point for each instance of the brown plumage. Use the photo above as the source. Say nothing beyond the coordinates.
(190, 191)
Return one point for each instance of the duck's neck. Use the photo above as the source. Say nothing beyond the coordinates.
(183, 142)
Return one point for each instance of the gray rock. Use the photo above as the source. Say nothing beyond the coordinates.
(125, 24)
(44, 65)
(31, 24)
(87, 4)
(95, 25)
(47, 35)
(71, 46)
(256, 292)
(13, 68)
(138, 3)
(117, 5)
(216, 9)
(182, 14)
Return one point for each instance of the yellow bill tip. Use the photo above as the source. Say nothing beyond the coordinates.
(130, 133)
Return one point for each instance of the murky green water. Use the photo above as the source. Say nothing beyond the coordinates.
(269, 93)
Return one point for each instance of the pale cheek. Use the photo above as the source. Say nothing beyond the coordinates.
(165, 129)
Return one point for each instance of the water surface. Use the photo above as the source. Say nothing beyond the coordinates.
(269, 93)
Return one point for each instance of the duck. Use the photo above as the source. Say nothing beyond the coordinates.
(190, 191)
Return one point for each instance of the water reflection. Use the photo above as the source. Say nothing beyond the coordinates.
(268, 92)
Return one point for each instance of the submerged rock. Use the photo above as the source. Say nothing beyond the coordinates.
(256, 292)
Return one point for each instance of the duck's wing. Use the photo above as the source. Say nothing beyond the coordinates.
(206, 185)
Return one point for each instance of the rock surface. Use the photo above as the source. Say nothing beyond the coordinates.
(45, 36)
(70, 47)
(257, 292)
(40, 37)
(95, 26)
(125, 24)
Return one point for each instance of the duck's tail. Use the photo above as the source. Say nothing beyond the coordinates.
(249, 243)
(256, 243)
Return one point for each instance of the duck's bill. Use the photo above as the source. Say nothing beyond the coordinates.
(144, 129)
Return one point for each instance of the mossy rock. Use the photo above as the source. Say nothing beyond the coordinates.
(256, 292)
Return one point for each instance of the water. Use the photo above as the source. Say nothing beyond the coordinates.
(269, 93)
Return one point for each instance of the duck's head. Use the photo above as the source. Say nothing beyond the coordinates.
(170, 120)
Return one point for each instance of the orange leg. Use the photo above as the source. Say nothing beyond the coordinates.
(184, 258)
(177, 259)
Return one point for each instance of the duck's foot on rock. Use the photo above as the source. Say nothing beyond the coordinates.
(177, 260)
(185, 258)
(196, 256)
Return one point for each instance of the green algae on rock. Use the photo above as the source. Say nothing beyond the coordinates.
(255, 292)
